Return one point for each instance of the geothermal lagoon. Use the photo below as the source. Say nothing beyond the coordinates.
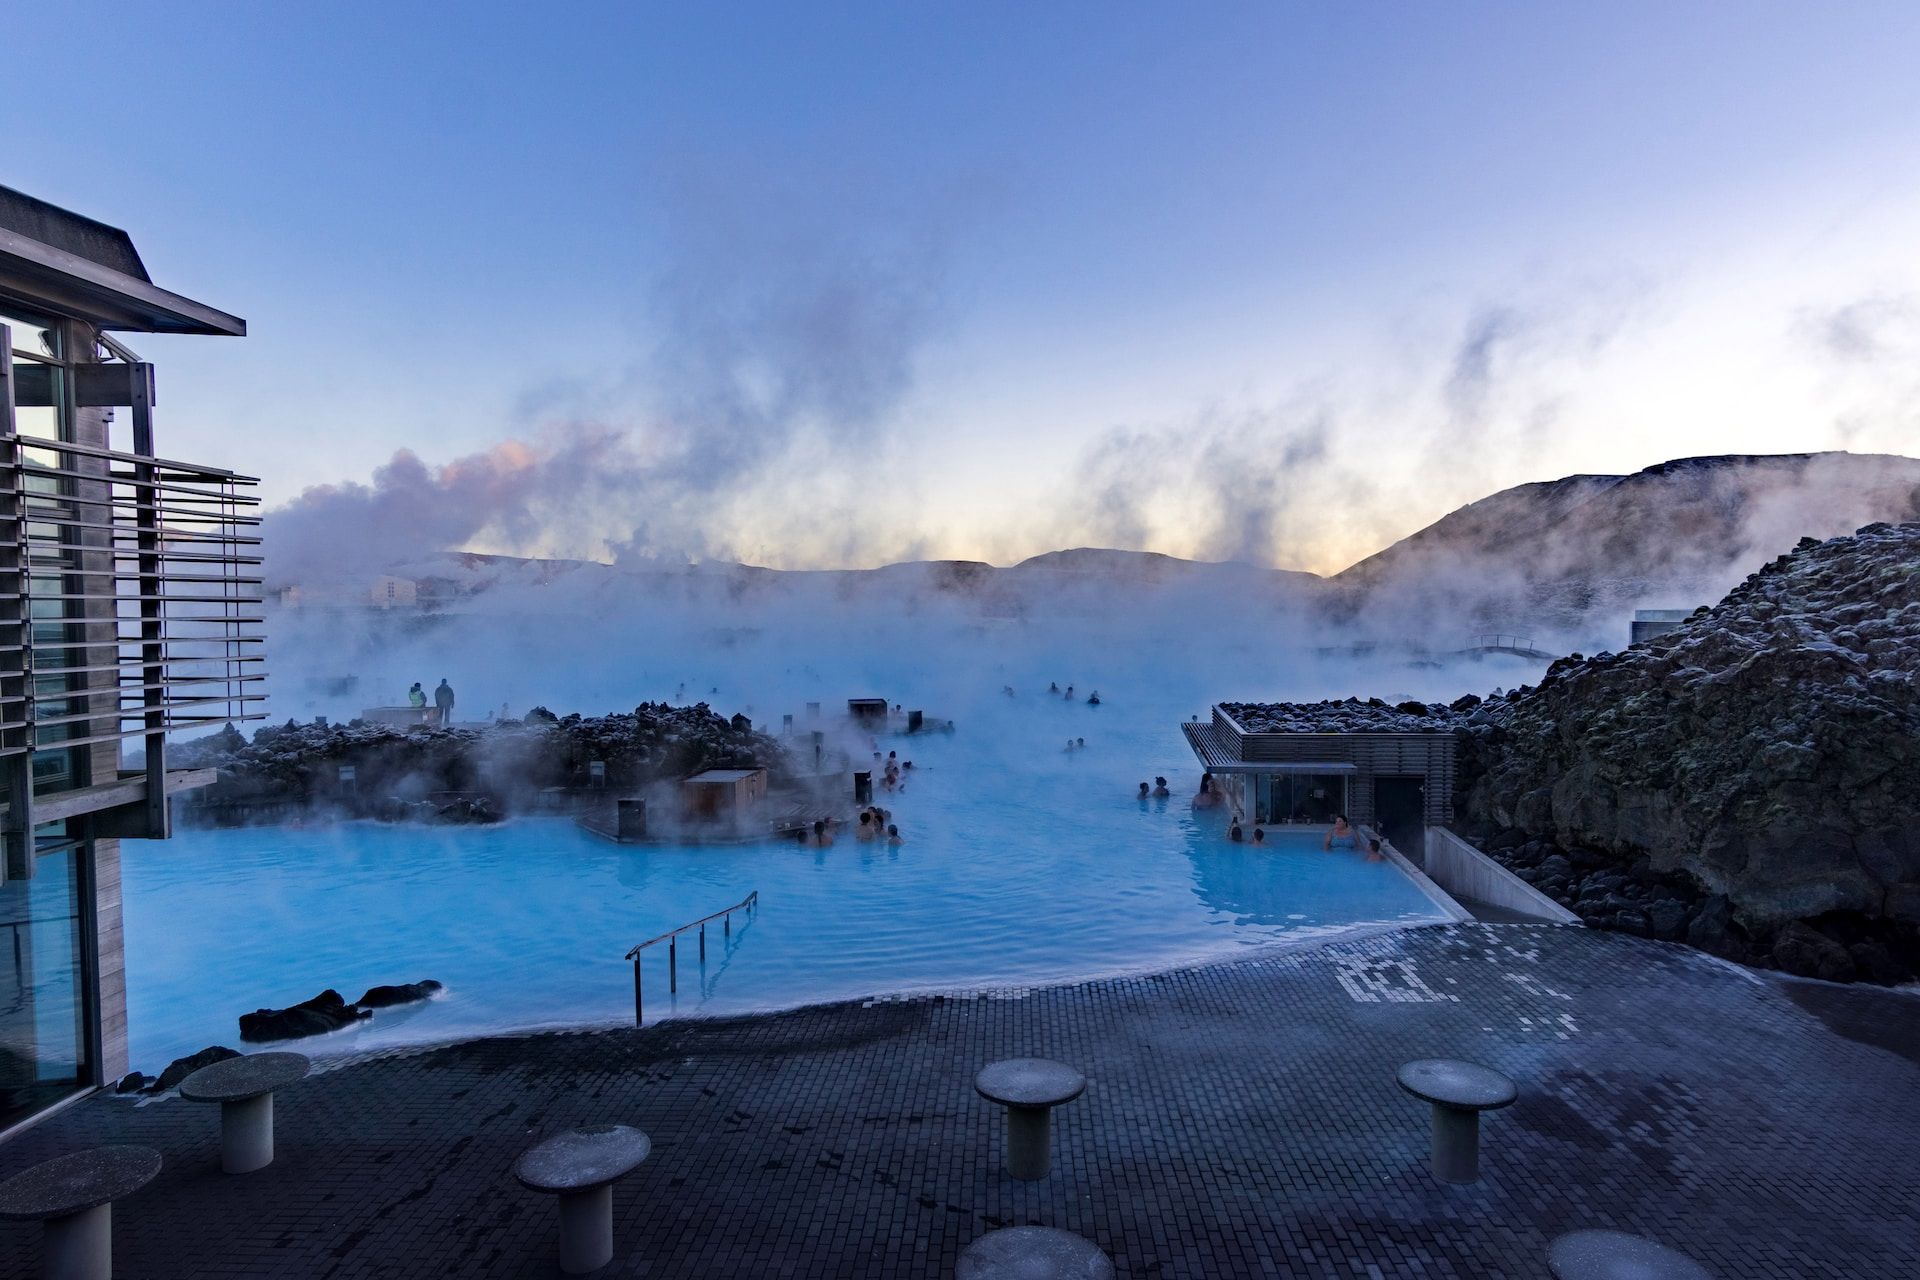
(1023, 864)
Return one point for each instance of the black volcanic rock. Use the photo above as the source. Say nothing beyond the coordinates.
(1351, 716)
(468, 775)
(180, 1068)
(325, 1012)
(403, 993)
(1769, 749)
(1804, 950)
(1749, 783)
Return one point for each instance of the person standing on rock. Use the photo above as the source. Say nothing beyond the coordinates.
(443, 701)
(417, 697)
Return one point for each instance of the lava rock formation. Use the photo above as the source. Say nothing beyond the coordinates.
(1749, 783)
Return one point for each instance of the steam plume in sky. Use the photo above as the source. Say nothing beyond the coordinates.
(786, 343)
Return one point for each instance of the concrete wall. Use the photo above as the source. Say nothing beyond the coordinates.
(1426, 883)
(1465, 872)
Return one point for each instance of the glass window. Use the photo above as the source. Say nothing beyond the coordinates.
(43, 980)
(38, 399)
(1300, 797)
(38, 387)
(33, 336)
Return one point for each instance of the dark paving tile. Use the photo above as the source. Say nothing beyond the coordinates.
(1241, 1120)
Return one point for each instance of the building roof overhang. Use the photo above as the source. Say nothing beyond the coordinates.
(70, 284)
(1218, 757)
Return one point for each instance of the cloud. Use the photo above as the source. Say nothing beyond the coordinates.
(1323, 475)
(1224, 485)
(788, 347)
(530, 497)
(1493, 332)
(780, 318)
(1866, 330)
(1867, 351)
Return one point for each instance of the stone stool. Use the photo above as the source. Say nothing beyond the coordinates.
(1029, 1088)
(73, 1197)
(244, 1088)
(1033, 1253)
(581, 1166)
(1615, 1255)
(1459, 1092)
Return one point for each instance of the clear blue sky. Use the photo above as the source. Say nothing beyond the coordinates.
(1043, 273)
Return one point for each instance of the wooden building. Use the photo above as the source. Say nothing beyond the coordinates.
(723, 794)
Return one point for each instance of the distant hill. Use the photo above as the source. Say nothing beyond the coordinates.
(1564, 556)
(1055, 578)
(1680, 533)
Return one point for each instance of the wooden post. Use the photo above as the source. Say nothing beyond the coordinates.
(639, 1013)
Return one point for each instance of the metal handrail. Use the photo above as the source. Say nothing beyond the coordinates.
(747, 905)
(88, 525)
(117, 455)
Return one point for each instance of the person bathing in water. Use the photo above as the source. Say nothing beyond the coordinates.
(1373, 851)
(1233, 833)
(1342, 836)
(1160, 788)
(1143, 791)
(1259, 836)
(893, 835)
(1094, 701)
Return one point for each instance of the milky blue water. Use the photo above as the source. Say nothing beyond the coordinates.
(1023, 864)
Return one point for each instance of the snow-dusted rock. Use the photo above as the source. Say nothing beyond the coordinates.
(1749, 783)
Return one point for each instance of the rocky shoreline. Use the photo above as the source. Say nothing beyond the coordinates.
(1748, 784)
(482, 774)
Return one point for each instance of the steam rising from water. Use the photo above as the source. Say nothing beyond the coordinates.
(761, 425)
(789, 344)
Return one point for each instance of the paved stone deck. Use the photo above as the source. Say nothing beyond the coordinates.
(1240, 1120)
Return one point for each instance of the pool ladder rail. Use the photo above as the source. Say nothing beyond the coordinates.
(746, 906)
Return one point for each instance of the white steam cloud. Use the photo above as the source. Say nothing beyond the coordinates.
(788, 345)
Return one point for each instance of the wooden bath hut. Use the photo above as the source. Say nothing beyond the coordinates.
(723, 793)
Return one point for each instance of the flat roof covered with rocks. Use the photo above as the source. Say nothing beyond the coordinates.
(1353, 715)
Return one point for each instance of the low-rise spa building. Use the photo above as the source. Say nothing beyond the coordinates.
(1276, 765)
